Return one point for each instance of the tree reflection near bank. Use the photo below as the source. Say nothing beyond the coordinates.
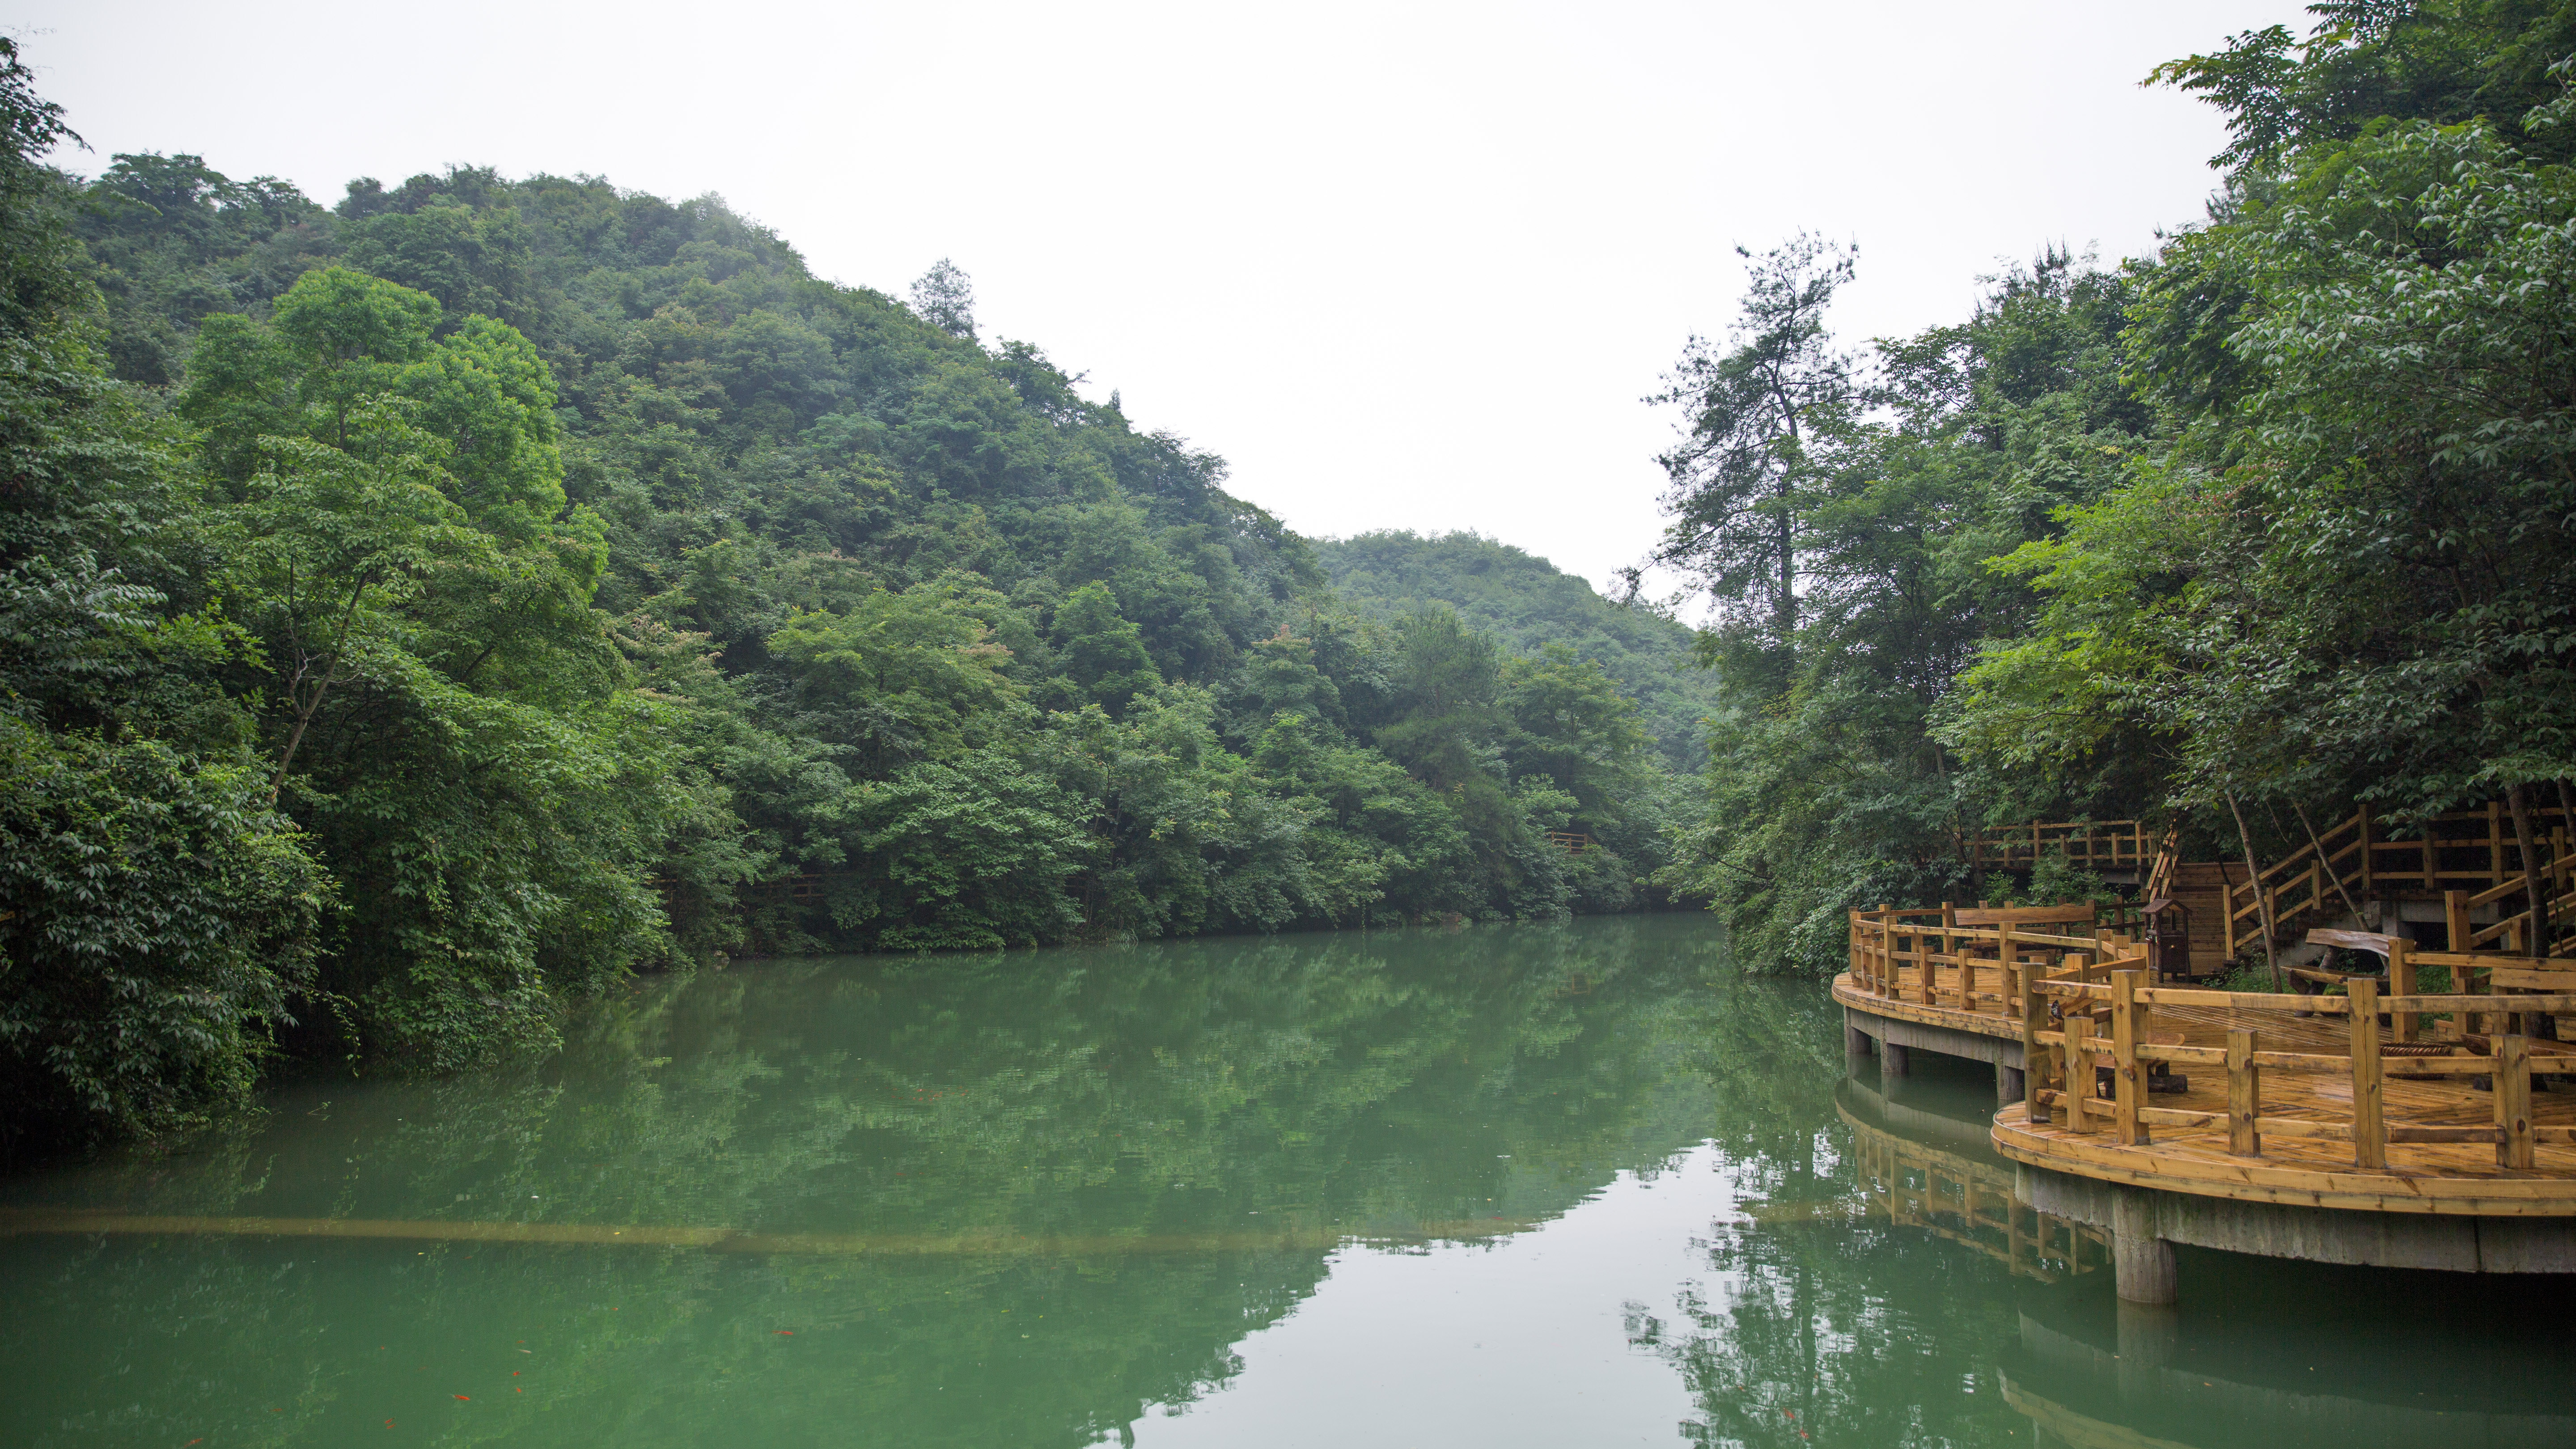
(1388, 1086)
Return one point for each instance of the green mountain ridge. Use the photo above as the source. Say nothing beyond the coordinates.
(1528, 604)
(428, 608)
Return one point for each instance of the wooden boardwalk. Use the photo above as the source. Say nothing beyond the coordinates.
(2429, 1177)
(1850, 993)
(2305, 1120)
(2403, 1102)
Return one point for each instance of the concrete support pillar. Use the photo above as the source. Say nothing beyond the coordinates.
(2008, 1085)
(2142, 1263)
(1855, 1040)
(2149, 1333)
(1894, 1060)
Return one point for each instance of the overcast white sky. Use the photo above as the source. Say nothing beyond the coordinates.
(1404, 265)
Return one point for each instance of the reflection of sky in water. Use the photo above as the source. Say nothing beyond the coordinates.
(1501, 1186)
(1521, 1342)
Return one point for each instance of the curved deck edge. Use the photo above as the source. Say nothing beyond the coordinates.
(2206, 1175)
(1979, 1023)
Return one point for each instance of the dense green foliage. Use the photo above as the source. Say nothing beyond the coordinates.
(440, 604)
(2273, 519)
(2279, 517)
(1831, 791)
(1527, 605)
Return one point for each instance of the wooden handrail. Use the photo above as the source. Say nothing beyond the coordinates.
(2061, 1080)
(1885, 941)
(2112, 842)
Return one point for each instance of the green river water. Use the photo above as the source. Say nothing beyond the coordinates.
(1498, 1186)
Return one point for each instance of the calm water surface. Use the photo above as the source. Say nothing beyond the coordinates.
(1501, 1186)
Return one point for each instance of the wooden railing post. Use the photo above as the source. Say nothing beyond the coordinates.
(1895, 957)
(2463, 939)
(1950, 948)
(1859, 974)
(2244, 1094)
(2035, 1075)
(2128, 1086)
(2077, 1094)
(2402, 1025)
(2007, 951)
(1896, 964)
(2369, 1138)
(2361, 821)
(2512, 1080)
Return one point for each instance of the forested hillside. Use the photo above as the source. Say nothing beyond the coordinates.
(2280, 518)
(423, 609)
(1528, 605)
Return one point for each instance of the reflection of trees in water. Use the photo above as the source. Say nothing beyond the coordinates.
(1816, 1323)
(1208, 1086)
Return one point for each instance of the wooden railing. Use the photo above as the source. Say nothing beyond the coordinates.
(2092, 844)
(2165, 867)
(1570, 842)
(2308, 881)
(1886, 940)
(2478, 850)
(2060, 1047)
(2513, 931)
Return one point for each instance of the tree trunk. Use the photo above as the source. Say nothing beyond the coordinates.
(2331, 873)
(2262, 905)
(1788, 571)
(2536, 940)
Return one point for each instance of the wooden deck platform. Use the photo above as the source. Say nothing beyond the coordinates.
(2320, 1170)
(2404, 1103)
(2401, 1102)
(1943, 1010)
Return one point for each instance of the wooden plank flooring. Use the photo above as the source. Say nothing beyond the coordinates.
(2319, 1172)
